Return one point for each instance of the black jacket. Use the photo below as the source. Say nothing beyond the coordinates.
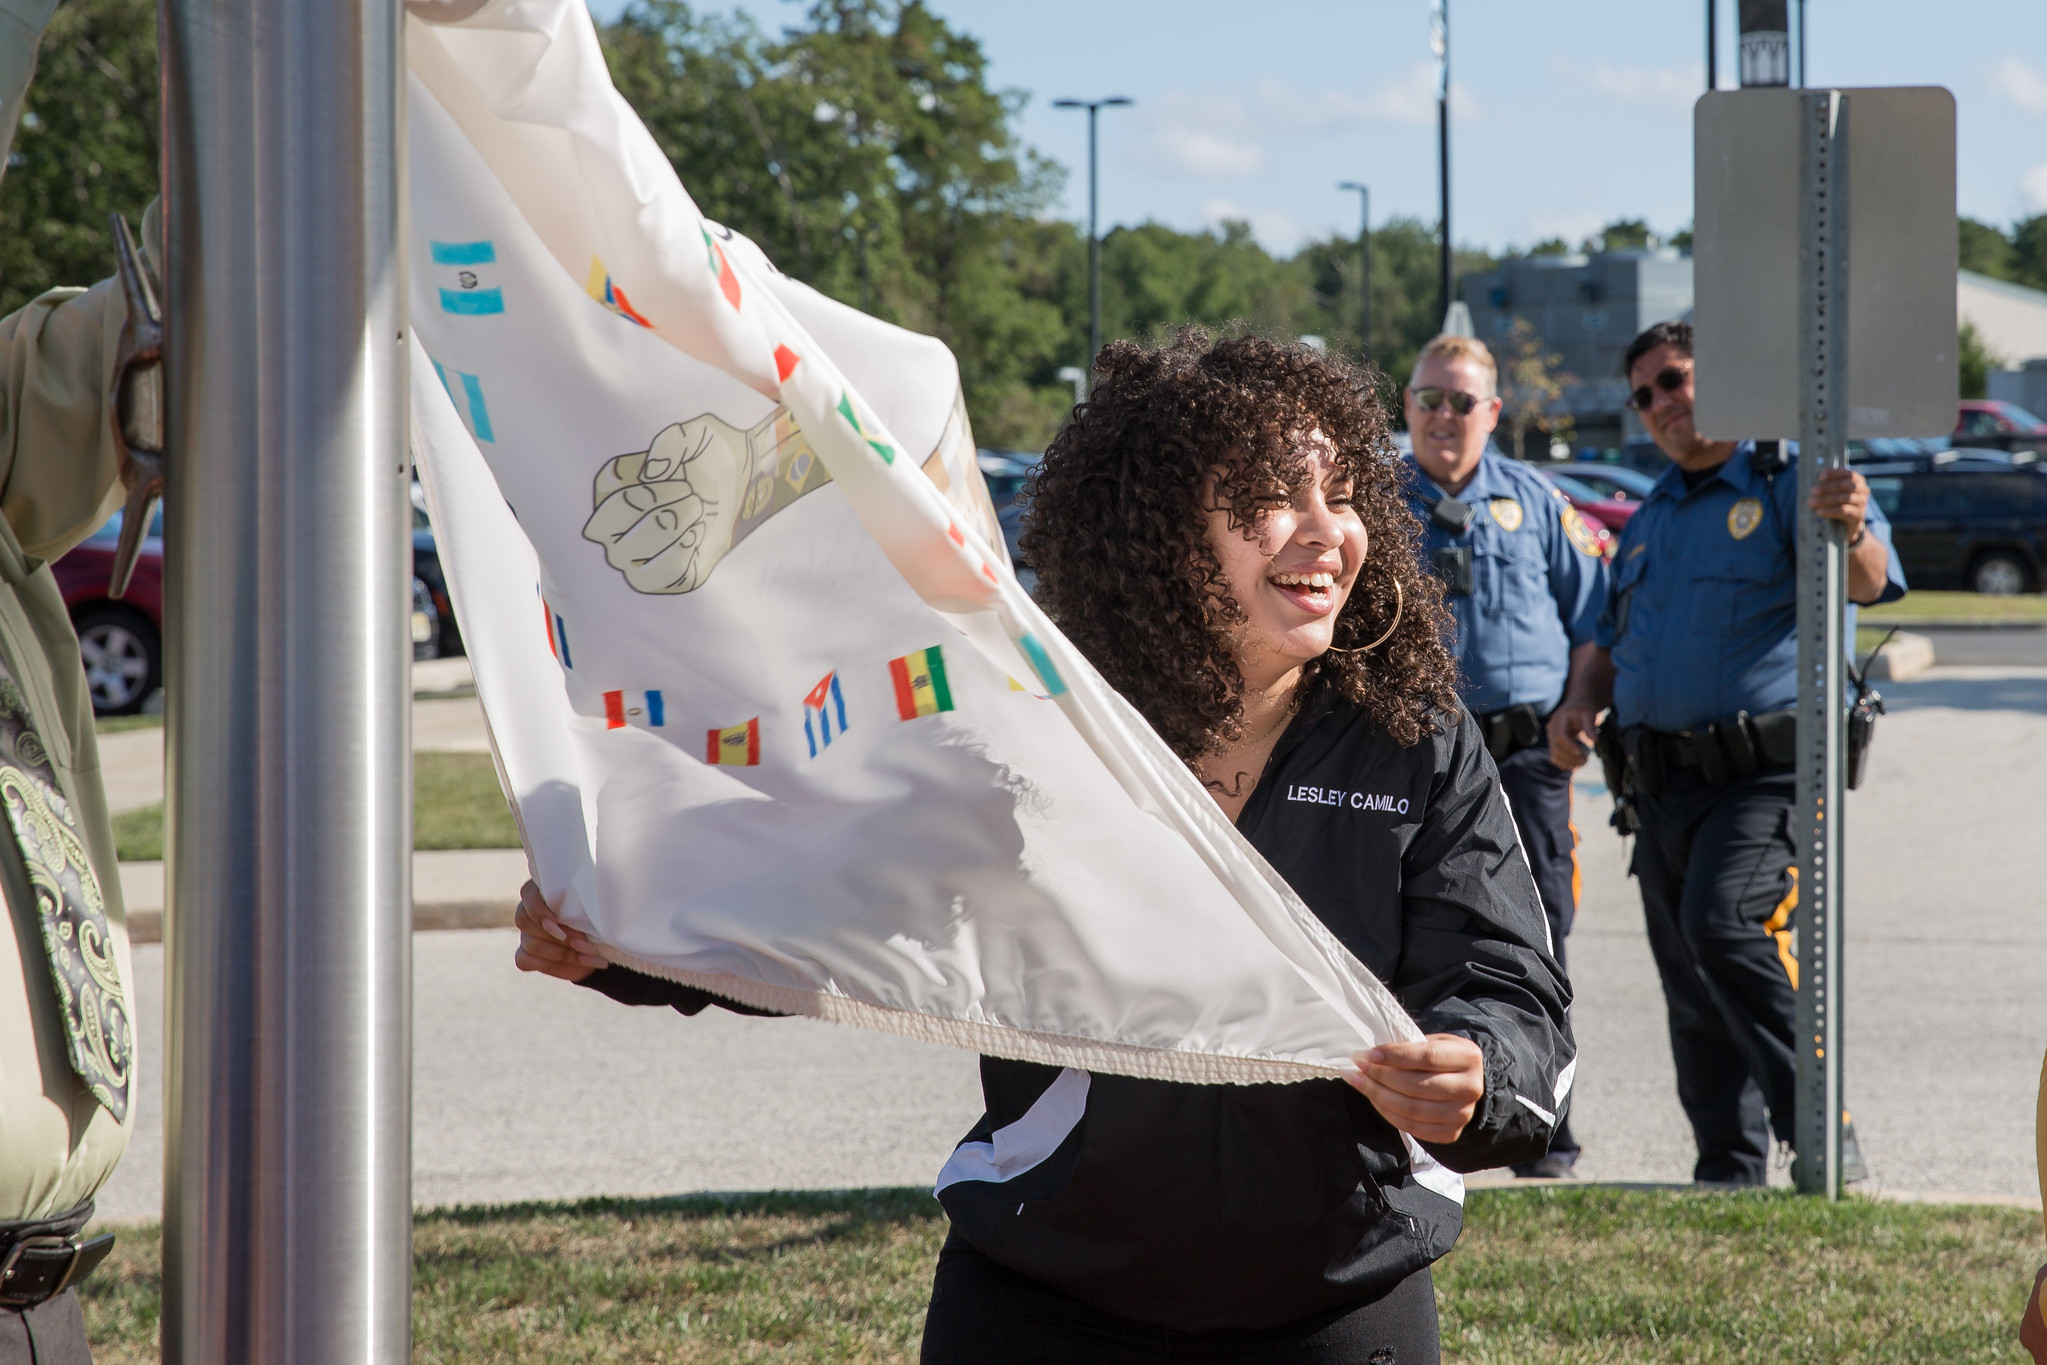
(1207, 1207)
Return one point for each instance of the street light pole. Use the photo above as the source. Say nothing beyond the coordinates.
(287, 1228)
(1364, 265)
(1439, 41)
(1712, 45)
(1094, 236)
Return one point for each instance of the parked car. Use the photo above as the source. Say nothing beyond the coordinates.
(1005, 471)
(1971, 524)
(446, 636)
(1614, 482)
(1997, 425)
(120, 640)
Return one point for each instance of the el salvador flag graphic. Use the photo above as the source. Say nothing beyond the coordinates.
(465, 270)
(467, 391)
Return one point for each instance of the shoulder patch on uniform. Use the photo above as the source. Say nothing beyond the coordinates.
(1580, 533)
(1744, 517)
(1506, 513)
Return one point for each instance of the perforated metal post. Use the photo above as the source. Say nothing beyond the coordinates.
(1822, 620)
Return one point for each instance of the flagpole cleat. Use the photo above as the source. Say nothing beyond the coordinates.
(135, 407)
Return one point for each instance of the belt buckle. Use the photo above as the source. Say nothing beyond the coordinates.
(43, 1242)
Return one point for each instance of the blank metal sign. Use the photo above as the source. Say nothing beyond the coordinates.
(1901, 259)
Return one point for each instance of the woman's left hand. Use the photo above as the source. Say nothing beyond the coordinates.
(1428, 1088)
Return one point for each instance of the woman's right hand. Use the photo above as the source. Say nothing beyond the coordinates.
(548, 946)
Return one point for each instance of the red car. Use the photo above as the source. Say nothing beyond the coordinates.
(121, 641)
(1985, 422)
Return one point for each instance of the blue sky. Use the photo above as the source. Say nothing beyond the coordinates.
(1566, 114)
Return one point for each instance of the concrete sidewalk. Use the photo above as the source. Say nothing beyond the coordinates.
(445, 716)
(461, 888)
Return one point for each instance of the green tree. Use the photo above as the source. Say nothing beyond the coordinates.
(1975, 361)
(1622, 234)
(1984, 249)
(2029, 251)
(86, 148)
(1532, 381)
(866, 153)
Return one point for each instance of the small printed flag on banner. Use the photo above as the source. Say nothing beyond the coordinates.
(728, 283)
(824, 704)
(921, 689)
(467, 391)
(610, 295)
(467, 266)
(633, 708)
(557, 634)
(878, 446)
(735, 745)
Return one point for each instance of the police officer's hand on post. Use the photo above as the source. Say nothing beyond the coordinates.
(1429, 1088)
(1843, 495)
(548, 946)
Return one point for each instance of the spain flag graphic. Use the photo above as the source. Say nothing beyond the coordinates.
(921, 689)
(737, 746)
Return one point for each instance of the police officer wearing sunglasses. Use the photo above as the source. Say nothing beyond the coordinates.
(1526, 585)
(1698, 655)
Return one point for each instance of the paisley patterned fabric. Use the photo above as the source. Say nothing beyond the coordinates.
(69, 907)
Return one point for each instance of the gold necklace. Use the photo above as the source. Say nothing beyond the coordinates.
(1285, 716)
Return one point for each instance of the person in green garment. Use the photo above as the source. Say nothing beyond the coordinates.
(68, 1085)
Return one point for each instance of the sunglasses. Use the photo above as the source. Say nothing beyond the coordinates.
(1429, 400)
(1670, 381)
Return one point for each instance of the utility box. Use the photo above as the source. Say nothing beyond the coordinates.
(1900, 261)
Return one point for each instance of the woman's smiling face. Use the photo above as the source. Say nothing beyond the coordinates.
(1293, 574)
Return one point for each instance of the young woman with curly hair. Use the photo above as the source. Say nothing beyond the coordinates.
(1221, 530)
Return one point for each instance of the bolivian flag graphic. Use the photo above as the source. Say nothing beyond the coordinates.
(737, 746)
(921, 688)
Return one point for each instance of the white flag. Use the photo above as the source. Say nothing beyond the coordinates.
(775, 716)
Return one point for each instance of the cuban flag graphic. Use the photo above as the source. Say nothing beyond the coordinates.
(824, 713)
(467, 391)
(467, 272)
(633, 708)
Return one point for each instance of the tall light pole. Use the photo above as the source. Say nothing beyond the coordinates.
(1364, 265)
(287, 1230)
(1439, 43)
(1094, 236)
(1712, 45)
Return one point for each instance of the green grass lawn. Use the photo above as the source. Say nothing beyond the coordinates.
(456, 803)
(1962, 608)
(1540, 1276)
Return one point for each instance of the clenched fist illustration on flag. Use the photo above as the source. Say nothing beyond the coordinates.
(813, 750)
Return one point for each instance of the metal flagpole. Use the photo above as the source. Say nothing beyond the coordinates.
(1822, 620)
(287, 1190)
(1439, 44)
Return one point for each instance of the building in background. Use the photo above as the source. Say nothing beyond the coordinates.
(2012, 321)
(1586, 309)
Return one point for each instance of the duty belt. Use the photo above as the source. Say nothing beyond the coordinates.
(1723, 751)
(1511, 730)
(41, 1259)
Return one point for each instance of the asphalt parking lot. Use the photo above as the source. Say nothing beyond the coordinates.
(529, 1089)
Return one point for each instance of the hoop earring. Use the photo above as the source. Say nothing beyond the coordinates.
(1399, 604)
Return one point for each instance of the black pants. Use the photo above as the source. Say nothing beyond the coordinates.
(1540, 794)
(987, 1314)
(51, 1333)
(1720, 892)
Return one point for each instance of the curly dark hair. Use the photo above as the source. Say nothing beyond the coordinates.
(1116, 530)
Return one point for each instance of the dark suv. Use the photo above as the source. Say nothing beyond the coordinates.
(1979, 525)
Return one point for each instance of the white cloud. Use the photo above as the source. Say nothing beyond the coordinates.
(1409, 100)
(1204, 137)
(1658, 87)
(2033, 185)
(2021, 84)
(1279, 233)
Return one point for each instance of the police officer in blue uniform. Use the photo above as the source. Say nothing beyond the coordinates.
(1699, 662)
(1526, 584)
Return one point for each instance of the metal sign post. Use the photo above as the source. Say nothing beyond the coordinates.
(1790, 339)
(288, 1136)
(1822, 643)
